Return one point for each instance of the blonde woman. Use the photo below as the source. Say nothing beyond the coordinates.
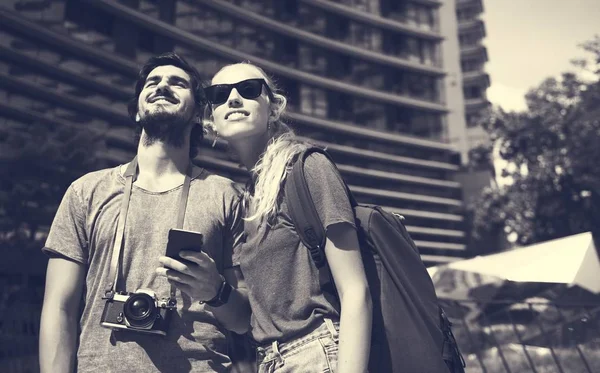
(295, 327)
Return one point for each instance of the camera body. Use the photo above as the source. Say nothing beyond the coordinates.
(140, 311)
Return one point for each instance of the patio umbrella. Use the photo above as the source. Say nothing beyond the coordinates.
(571, 260)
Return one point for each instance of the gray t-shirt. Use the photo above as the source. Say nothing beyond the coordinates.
(282, 279)
(84, 231)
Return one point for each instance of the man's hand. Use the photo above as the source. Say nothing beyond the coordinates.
(199, 279)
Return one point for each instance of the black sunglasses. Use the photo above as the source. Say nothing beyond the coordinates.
(250, 88)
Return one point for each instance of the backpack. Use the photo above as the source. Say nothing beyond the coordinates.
(410, 331)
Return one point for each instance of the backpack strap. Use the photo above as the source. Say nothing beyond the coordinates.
(303, 211)
(307, 222)
(450, 352)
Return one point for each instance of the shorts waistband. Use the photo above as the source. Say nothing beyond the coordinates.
(328, 326)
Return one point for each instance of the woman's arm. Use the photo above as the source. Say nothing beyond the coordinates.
(344, 258)
(202, 282)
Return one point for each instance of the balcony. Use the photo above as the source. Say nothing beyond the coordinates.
(475, 104)
(187, 39)
(431, 3)
(475, 51)
(478, 77)
(374, 20)
(476, 6)
(261, 21)
(474, 26)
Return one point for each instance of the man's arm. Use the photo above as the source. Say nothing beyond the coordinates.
(60, 315)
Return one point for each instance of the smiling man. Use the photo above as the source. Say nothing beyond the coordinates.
(161, 314)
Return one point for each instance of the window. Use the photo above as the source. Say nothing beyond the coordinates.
(311, 60)
(428, 49)
(471, 65)
(426, 125)
(468, 39)
(473, 92)
(411, 15)
(313, 101)
(424, 18)
(472, 120)
(414, 52)
(312, 21)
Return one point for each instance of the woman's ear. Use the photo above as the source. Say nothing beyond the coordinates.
(137, 117)
(208, 120)
(277, 107)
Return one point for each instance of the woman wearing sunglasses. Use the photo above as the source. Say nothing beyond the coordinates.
(295, 327)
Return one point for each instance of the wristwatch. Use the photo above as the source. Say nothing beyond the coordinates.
(222, 295)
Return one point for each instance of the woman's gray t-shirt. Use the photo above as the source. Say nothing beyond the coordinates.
(282, 279)
(84, 230)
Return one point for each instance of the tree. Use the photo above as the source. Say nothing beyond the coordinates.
(38, 161)
(552, 152)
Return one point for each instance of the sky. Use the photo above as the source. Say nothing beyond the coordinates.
(530, 40)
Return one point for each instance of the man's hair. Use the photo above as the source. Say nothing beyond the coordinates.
(171, 59)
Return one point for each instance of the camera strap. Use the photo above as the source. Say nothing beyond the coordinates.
(130, 175)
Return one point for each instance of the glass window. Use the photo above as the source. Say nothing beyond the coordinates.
(313, 101)
(428, 53)
(399, 83)
(411, 15)
(311, 60)
(368, 114)
(414, 53)
(424, 18)
(472, 92)
(311, 20)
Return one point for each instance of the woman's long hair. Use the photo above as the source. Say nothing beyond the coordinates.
(269, 174)
(261, 196)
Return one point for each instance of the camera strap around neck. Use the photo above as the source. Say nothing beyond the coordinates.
(130, 176)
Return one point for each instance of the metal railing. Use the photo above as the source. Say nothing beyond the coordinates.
(515, 337)
(494, 337)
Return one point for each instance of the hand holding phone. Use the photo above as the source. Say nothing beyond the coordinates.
(200, 277)
(180, 239)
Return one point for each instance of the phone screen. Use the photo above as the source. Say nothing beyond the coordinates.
(180, 239)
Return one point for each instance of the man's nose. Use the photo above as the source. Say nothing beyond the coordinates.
(162, 86)
(235, 99)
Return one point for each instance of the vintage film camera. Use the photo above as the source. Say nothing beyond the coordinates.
(140, 311)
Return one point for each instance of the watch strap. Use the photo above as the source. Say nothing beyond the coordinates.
(222, 295)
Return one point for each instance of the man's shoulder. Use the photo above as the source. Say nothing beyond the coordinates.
(91, 181)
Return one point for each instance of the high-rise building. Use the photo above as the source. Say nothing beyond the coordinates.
(368, 79)
(473, 56)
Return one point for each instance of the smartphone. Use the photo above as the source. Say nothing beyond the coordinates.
(180, 239)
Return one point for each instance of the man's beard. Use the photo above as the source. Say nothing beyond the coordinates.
(168, 128)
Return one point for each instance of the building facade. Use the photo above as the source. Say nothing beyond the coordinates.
(473, 56)
(365, 78)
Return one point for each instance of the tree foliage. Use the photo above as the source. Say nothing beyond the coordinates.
(553, 155)
(38, 161)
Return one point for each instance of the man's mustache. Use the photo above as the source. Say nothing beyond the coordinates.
(163, 95)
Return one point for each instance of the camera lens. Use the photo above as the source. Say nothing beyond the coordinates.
(140, 309)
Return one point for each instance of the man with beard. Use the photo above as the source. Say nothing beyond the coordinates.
(137, 204)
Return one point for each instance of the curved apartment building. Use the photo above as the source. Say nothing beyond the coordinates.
(473, 56)
(365, 78)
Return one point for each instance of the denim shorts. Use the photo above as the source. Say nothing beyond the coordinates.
(315, 352)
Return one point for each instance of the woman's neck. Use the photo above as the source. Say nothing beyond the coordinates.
(249, 150)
